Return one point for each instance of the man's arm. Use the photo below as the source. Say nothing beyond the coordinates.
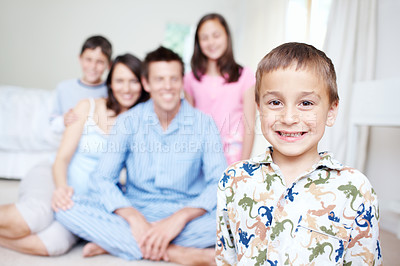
(105, 179)
(138, 224)
(156, 241)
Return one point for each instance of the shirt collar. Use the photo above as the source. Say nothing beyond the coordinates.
(179, 118)
(326, 161)
(185, 109)
(102, 84)
(264, 158)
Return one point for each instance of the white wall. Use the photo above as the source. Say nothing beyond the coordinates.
(384, 145)
(41, 40)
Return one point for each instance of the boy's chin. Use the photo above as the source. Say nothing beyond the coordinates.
(293, 152)
(91, 81)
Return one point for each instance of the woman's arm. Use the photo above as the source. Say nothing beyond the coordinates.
(249, 114)
(69, 143)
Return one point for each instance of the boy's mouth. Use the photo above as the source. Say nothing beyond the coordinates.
(291, 134)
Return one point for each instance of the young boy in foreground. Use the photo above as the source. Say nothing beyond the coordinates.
(293, 205)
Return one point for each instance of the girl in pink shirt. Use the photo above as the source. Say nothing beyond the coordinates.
(222, 88)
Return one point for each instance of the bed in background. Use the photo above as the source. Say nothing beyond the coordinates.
(25, 135)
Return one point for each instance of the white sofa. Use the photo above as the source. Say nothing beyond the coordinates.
(25, 135)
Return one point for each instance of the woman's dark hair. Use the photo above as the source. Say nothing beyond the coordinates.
(135, 65)
(227, 65)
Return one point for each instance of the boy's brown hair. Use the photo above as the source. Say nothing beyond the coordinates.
(98, 41)
(302, 56)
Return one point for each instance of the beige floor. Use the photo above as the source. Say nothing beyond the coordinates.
(8, 194)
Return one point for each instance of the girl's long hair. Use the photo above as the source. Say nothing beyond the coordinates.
(229, 69)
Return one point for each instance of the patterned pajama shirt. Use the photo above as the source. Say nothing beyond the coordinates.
(328, 216)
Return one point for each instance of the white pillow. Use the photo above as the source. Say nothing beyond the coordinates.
(24, 119)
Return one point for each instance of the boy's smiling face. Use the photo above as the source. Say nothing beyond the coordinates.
(295, 108)
(93, 63)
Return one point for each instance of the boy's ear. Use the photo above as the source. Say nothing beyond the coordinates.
(332, 113)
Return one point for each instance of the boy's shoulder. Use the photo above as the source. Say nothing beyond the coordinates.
(350, 180)
(345, 181)
(243, 171)
(249, 166)
(340, 171)
(65, 84)
(77, 84)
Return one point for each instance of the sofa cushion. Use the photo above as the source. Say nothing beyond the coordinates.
(24, 120)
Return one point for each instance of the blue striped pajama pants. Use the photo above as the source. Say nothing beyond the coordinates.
(89, 220)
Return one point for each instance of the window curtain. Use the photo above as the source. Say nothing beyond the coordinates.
(351, 44)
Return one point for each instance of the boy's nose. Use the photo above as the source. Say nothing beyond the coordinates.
(290, 117)
(93, 65)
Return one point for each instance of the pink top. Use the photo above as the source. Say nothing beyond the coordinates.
(224, 102)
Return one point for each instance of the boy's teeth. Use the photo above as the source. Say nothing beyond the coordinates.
(291, 134)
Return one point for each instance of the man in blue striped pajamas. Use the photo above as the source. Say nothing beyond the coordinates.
(174, 158)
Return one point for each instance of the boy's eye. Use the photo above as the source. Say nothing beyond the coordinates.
(274, 102)
(306, 103)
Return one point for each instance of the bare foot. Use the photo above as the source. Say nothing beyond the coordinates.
(92, 249)
(191, 256)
